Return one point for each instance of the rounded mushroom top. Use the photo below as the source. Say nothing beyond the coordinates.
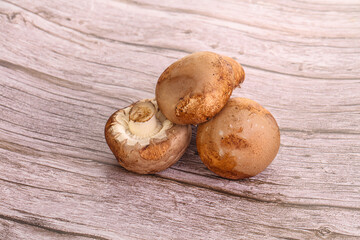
(139, 123)
(240, 141)
(195, 88)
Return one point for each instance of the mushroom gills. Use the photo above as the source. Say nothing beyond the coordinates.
(142, 120)
(143, 140)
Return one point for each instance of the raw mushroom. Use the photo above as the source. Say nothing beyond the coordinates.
(143, 140)
(240, 141)
(195, 88)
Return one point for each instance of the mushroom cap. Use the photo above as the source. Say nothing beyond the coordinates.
(240, 141)
(195, 88)
(146, 155)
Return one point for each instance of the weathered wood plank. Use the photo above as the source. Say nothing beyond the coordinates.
(66, 66)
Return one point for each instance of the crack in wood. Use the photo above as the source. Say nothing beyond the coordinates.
(51, 229)
(42, 188)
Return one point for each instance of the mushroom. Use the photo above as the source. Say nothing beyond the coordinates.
(195, 88)
(143, 140)
(240, 141)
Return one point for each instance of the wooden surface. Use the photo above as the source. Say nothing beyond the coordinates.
(66, 66)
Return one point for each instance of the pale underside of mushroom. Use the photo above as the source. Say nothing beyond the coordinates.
(139, 133)
(143, 140)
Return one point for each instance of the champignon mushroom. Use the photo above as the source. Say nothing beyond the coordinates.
(240, 141)
(195, 88)
(143, 140)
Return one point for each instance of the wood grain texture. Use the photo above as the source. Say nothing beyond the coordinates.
(66, 66)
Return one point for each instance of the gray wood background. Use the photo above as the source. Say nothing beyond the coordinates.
(66, 66)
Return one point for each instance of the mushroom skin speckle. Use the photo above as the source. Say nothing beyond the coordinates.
(195, 88)
(145, 152)
(240, 141)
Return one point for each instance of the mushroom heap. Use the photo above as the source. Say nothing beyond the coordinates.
(236, 138)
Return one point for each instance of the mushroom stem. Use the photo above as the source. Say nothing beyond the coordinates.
(142, 120)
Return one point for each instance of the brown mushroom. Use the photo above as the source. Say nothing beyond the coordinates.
(240, 141)
(195, 88)
(143, 140)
